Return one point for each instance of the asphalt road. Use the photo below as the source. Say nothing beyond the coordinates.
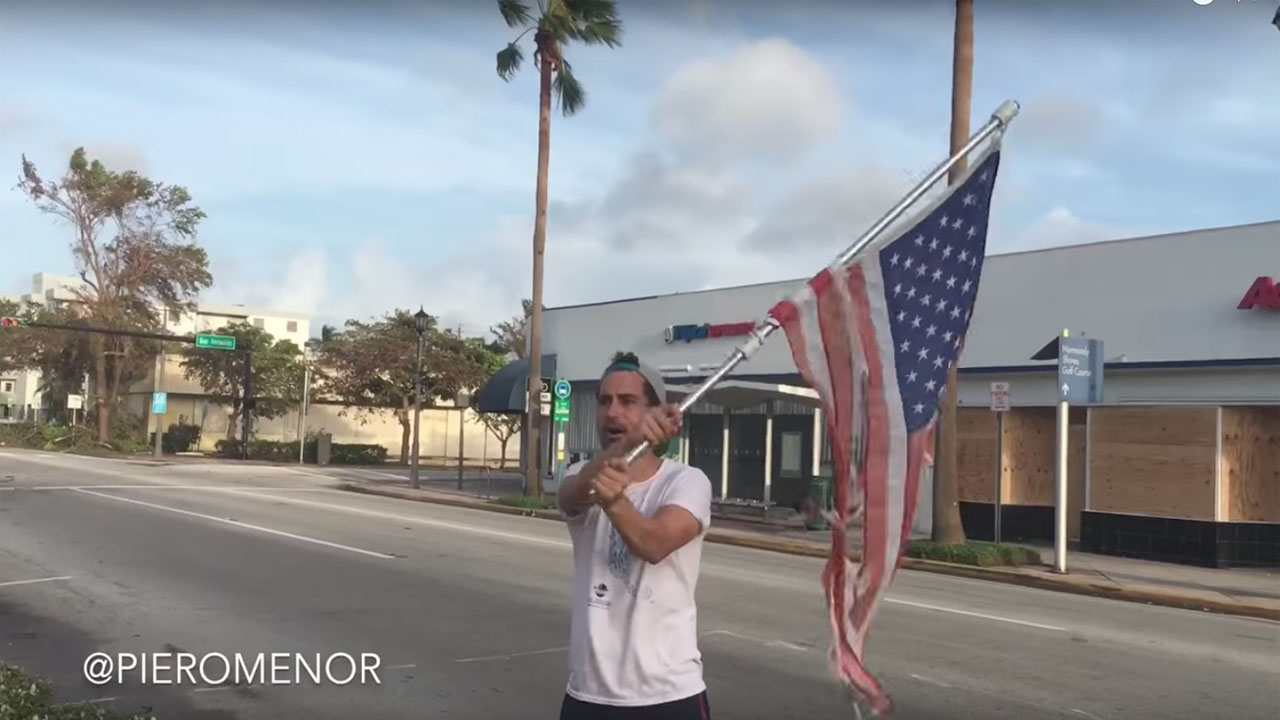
(468, 612)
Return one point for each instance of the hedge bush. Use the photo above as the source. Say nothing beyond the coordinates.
(973, 552)
(277, 451)
(180, 437)
(545, 502)
(23, 697)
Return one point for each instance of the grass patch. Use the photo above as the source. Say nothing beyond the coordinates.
(528, 503)
(23, 697)
(973, 552)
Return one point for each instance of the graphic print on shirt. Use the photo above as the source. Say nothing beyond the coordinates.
(619, 555)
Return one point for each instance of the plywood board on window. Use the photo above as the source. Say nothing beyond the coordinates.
(976, 454)
(1028, 456)
(1251, 463)
(1153, 460)
(1076, 439)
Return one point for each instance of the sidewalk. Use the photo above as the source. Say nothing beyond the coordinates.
(1244, 591)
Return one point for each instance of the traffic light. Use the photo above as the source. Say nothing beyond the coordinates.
(12, 322)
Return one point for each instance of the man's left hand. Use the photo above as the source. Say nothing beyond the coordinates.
(611, 482)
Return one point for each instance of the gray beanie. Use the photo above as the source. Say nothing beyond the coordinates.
(651, 376)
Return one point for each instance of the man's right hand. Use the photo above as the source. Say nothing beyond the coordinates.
(660, 424)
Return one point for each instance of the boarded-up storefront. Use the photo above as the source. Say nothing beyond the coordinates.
(1187, 484)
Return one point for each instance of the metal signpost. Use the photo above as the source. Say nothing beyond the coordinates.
(1080, 366)
(561, 417)
(999, 405)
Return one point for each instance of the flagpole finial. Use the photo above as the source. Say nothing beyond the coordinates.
(1007, 111)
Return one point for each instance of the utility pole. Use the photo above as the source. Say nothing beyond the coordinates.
(158, 450)
(246, 403)
(159, 387)
(302, 412)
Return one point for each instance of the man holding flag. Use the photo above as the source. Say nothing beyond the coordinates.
(875, 338)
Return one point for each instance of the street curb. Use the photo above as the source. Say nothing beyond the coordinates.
(975, 572)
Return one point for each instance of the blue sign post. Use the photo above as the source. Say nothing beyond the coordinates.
(1080, 366)
(561, 418)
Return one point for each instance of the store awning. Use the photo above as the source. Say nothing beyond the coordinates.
(741, 394)
(504, 392)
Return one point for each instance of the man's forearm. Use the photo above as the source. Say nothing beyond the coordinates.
(639, 532)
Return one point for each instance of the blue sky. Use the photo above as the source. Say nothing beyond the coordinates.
(357, 157)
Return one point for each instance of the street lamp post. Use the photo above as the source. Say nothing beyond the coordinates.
(420, 325)
(302, 411)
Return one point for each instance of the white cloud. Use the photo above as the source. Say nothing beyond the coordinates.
(768, 101)
(827, 214)
(1061, 227)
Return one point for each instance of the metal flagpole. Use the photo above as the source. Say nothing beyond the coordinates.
(1000, 120)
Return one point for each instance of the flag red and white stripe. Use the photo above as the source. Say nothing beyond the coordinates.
(875, 339)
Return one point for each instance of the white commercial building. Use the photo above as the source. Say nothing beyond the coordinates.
(1187, 428)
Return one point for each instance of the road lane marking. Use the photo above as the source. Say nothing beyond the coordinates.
(1088, 715)
(408, 518)
(215, 689)
(163, 487)
(406, 666)
(762, 641)
(33, 581)
(239, 524)
(931, 681)
(723, 571)
(524, 538)
(93, 701)
(968, 613)
(508, 656)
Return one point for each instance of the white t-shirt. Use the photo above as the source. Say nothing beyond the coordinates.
(634, 635)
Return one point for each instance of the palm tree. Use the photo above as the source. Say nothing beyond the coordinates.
(559, 23)
(947, 527)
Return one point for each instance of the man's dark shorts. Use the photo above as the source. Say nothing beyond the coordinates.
(690, 708)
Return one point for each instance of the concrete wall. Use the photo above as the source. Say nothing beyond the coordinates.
(438, 430)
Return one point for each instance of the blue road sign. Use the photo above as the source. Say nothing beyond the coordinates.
(159, 402)
(562, 388)
(1080, 364)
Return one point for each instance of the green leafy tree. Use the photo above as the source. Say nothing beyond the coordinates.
(558, 24)
(503, 427)
(63, 360)
(133, 242)
(370, 367)
(276, 373)
(509, 335)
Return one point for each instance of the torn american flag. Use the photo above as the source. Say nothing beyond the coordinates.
(875, 338)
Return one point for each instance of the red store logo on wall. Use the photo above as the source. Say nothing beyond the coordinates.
(1263, 293)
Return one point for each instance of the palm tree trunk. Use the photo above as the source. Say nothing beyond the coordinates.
(533, 417)
(947, 527)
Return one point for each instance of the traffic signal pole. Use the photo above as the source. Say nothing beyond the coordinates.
(246, 400)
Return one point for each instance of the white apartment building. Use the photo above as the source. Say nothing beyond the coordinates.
(21, 399)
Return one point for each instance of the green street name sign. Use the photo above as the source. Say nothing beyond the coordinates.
(216, 342)
(560, 411)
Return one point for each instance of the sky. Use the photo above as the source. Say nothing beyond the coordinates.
(356, 157)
